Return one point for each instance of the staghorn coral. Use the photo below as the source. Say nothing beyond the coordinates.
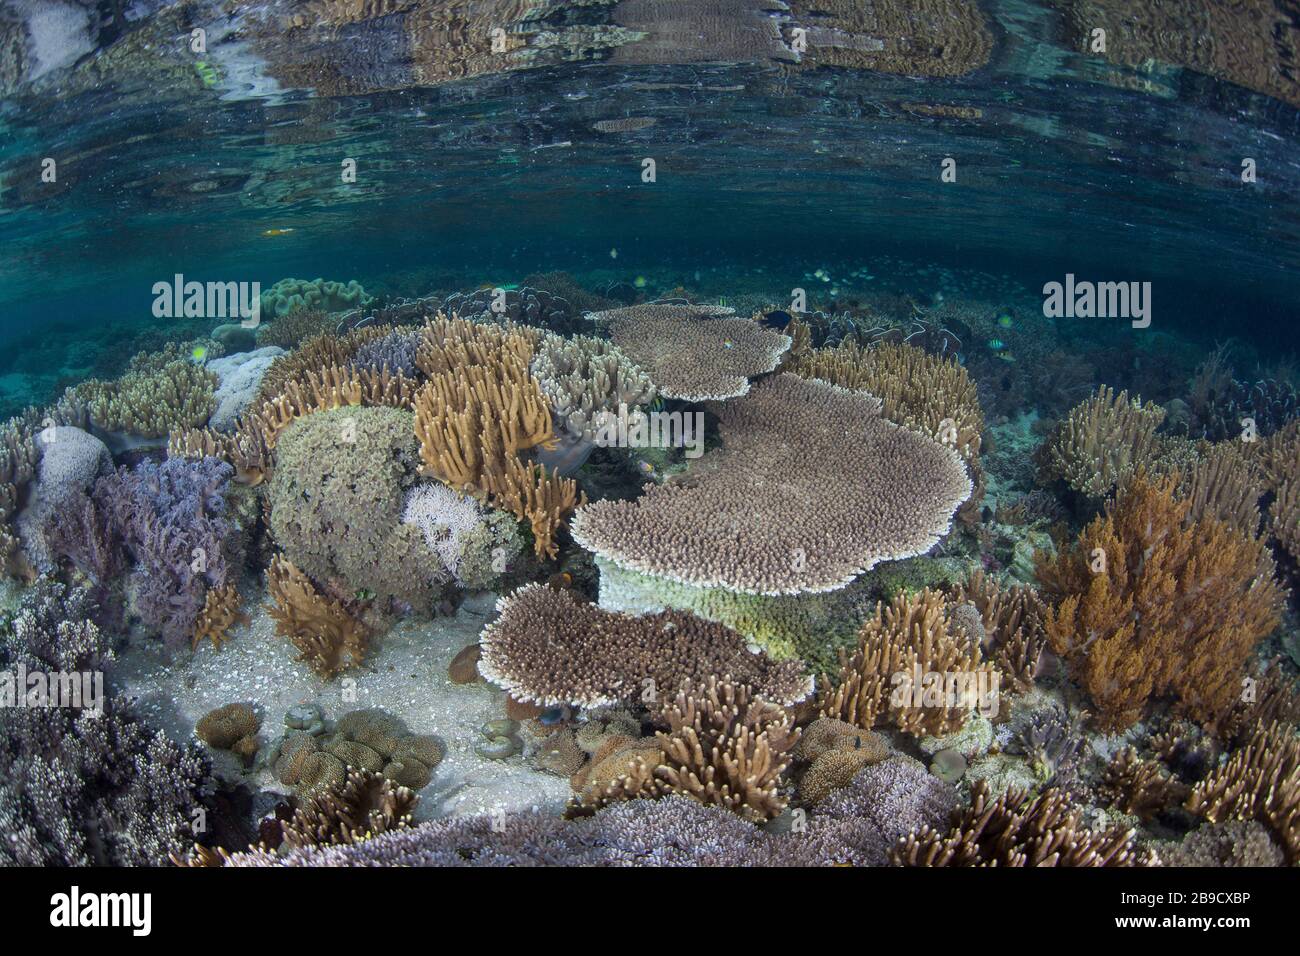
(1141, 787)
(151, 402)
(914, 665)
(328, 638)
(1260, 781)
(336, 499)
(1223, 484)
(1150, 605)
(723, 746)
(1103, 442)
(1016, 830)
(551, 647)
(811, 489)
(53, 629)
(694, 353)
(1284, 517)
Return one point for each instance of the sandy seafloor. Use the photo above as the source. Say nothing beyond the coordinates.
(404, 674)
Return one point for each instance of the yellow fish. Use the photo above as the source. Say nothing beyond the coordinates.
(277, 232)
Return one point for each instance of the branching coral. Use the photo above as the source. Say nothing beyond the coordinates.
(1103, 442)
(1012, 623)
(1141, 787)
(221, 611)
(172, 517)
(1149, 605)
(550, 646)
(150, 403)
(583, 377)
(915, 665)
(328, 638)
(810, 489)
(478, 412)
(1016, 830)
(366, 804)
(695, 353)
(1260, 781)
(476, 545)
(723, 746)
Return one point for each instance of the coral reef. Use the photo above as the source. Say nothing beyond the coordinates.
(694, 353)
(370, 740)
(1017, 830)
(837, 489)
(328, 637)
(336, 502)
(551, 647)
(1149, 605)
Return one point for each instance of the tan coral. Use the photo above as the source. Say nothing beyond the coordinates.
(328, 638)
(1103, 442)
(221, 611)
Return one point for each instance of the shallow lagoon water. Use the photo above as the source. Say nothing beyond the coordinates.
(979, 303)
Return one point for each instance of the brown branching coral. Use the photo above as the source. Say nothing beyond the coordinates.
(724, 746)
(942, 676)
(1284, 515)
(1103, 442)
(695, 353)
(364, 805)
(221, 611)
(1012, 621)
(17, 466)
(550, 646)
(1224, 485)
(328, 638)
(811, 488)
(1141, 787)
(479, 411)
(1260, 781)
(1150, 605)
(321, 351)
(1015, 830)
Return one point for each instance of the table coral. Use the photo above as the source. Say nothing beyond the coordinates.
(811, 488)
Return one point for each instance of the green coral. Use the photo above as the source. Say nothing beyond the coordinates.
(811, 627)
(336, 503)
(290, 295)
(153, 399)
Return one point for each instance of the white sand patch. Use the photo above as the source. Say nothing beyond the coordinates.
(405, 674)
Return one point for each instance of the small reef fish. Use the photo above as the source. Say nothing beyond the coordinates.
(613, 253)
(639, 282)
(997, 345)
(1005, 320)
(277, 232)
(198, 355)
(645, 468)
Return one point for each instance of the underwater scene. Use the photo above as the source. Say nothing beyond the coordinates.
(649, 433)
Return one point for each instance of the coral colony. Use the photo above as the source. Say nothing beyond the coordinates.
(648, 558)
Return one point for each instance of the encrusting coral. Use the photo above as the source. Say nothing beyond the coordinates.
(1017, 830)
(811, 488)
(695, 353)
(944, 678)
(551, 647)
(329, 639)
(1149, 605)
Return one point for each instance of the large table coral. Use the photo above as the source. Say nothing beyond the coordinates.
(811, 488)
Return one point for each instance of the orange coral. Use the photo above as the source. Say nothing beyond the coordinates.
(220, 613)
(1149, 604)
(328, 638)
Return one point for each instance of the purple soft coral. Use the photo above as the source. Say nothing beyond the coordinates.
(171, 516)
